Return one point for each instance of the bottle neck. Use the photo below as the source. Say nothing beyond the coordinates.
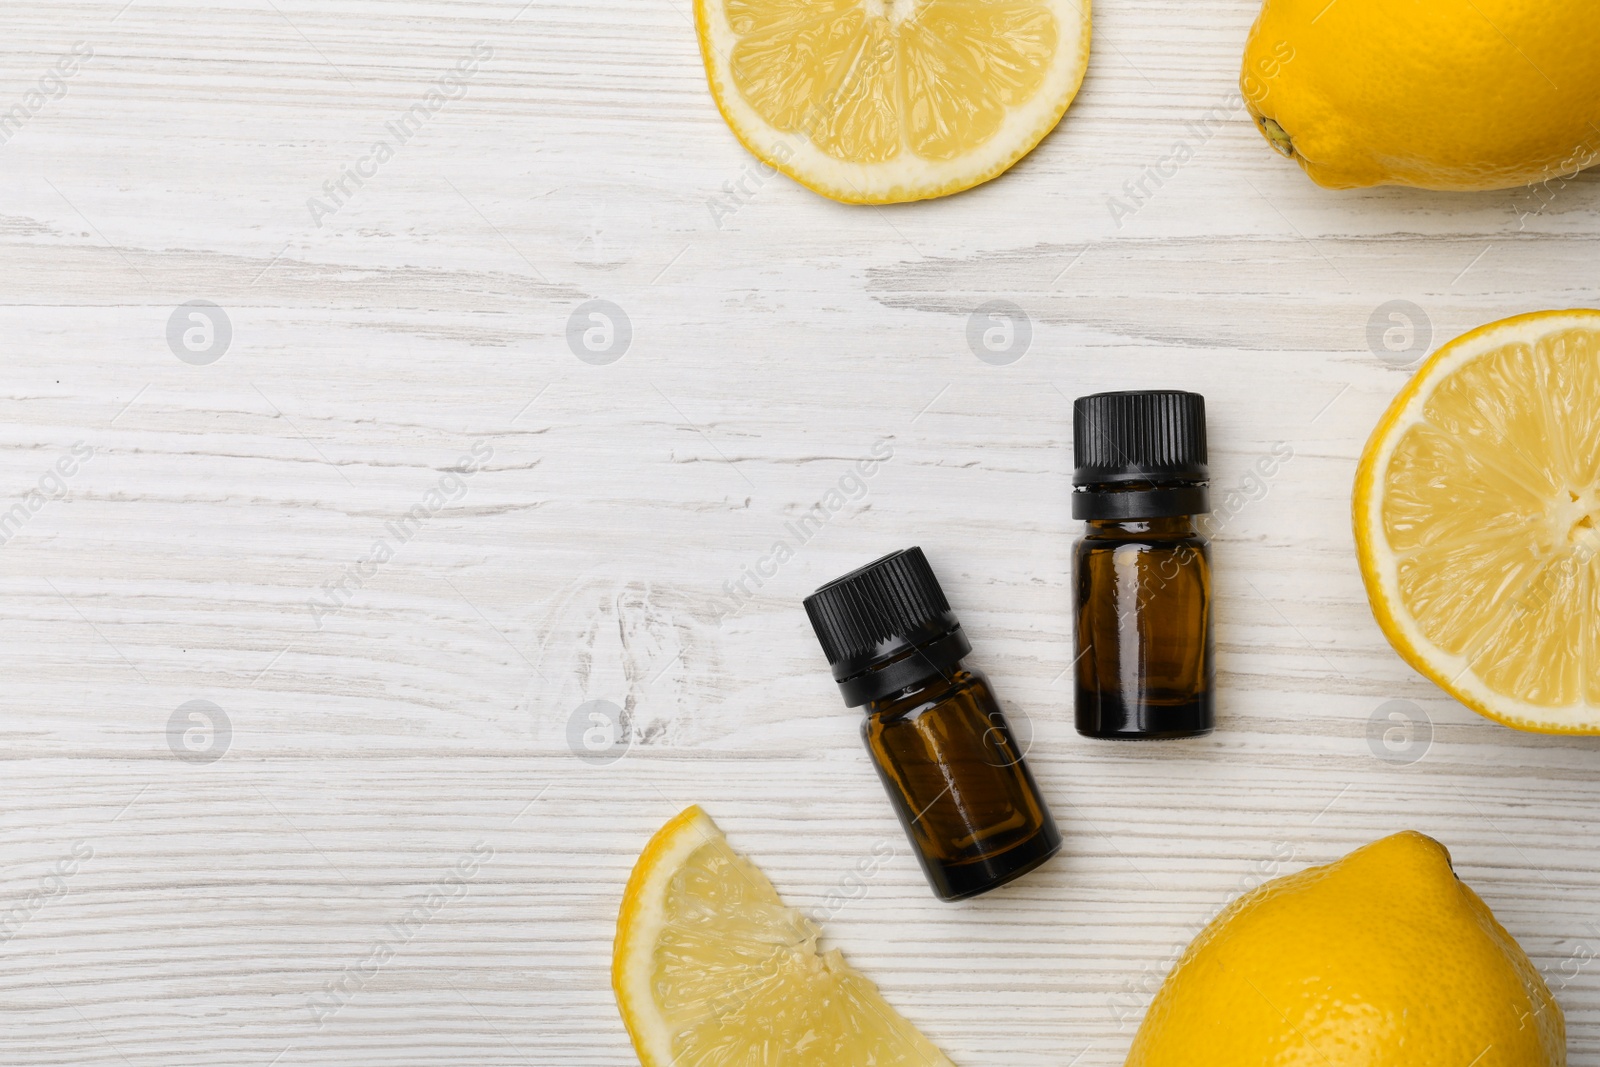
(922, 691)
(1165, 526)
(1140, 501)
(921, 664)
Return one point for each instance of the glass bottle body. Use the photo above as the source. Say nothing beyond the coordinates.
(956, 777)
(1145, 651)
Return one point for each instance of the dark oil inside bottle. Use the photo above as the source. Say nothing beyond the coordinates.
(1144, 646)
(953, 770)
(957, 780)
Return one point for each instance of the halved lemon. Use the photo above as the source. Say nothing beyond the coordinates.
(882, 101)
(712, 970)
(1477, 504)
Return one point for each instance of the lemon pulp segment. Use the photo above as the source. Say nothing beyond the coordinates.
(733, 977)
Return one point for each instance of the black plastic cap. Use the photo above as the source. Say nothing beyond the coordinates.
(1143, 436)
(886, 626)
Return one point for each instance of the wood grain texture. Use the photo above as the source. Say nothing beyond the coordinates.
(168, 912)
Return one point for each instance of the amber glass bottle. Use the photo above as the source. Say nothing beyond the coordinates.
(1142, 571)
(936, 734)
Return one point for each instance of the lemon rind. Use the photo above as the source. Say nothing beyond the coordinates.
(639, 921)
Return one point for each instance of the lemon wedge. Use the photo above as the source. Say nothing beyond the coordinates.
(883, 101)
(1477, 503)
(712, 970)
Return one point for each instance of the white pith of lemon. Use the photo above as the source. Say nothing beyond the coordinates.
(711, 969)
(1477, 521)
(883, 101)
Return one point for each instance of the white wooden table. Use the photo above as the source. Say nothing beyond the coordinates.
(393, 699)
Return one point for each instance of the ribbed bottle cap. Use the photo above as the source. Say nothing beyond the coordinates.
(1141, 436)
(890, 610)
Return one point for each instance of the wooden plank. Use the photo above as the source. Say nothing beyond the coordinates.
(585, 550)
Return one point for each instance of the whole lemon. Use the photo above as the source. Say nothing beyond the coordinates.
(1440, 94)
(1382, 959)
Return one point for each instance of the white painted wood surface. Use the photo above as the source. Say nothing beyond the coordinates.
(170, 912)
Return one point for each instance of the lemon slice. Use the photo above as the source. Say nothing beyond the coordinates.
(710, 968)
(1477, 504)
(882, 101)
